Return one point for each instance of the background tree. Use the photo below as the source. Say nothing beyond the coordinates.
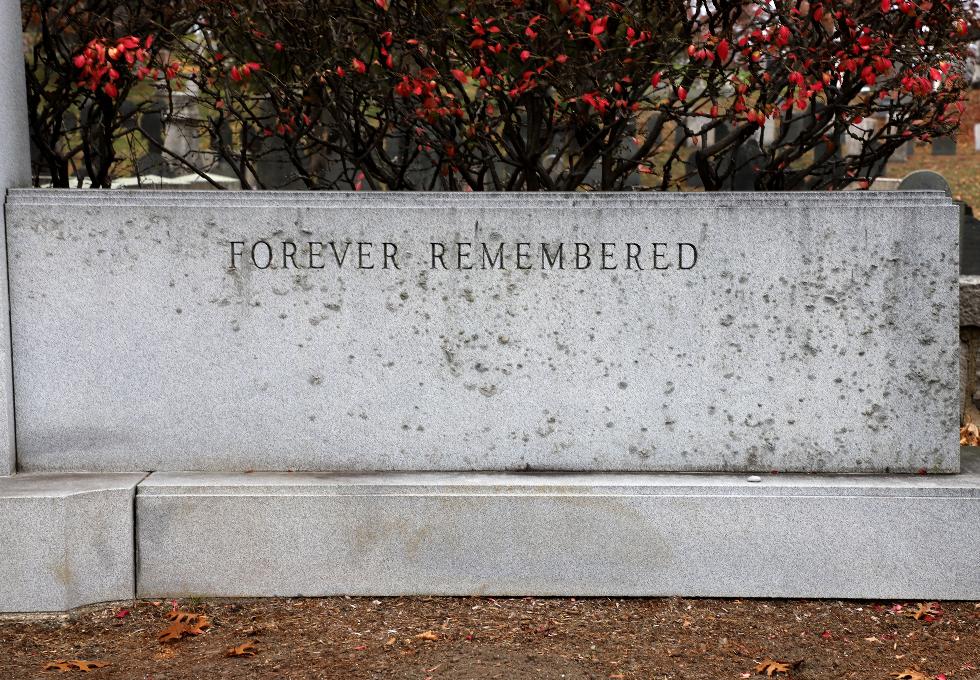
(84, 59)
(564, 94)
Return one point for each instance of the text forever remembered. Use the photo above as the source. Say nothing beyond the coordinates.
(464, 255)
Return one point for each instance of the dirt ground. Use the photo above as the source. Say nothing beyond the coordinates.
(548, 638)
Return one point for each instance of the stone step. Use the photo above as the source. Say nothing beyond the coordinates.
(71, 539)
(314, 534)
(66, 539)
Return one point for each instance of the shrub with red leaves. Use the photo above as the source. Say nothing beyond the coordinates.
(84, 59)
(570, 94)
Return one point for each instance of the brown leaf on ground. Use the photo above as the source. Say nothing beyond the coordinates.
(86, 666)
(927, 611)
(910, 674)
(79, 664)
(969, 435)
(58, 665)
(428, 635)
(246, 649)
(175, 631)
(199, 626)
(184, 624)
(771, 667)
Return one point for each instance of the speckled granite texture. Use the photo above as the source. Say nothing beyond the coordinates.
(814, 332)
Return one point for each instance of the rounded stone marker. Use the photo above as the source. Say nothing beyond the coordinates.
(924, 180)
(754, 478)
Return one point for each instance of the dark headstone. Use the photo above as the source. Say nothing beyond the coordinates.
(969, 244)
(944, 146)
(691, 170)
(151, 121)
(924, 180)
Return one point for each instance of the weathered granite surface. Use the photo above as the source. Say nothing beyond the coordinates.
(888, 537)
(66, 539)
(970, 301)
(15, 171)
(816, 332)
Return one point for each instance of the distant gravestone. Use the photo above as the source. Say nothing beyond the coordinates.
(770, 132)
(151, 122)
(924, 180)
(900, 155)
(691, 170)
(182, 132)
(944, 146)
(748, 161)
(976, 137)
(969, 244)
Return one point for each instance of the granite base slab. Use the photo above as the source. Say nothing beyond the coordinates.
(315, 534)
(66, 540)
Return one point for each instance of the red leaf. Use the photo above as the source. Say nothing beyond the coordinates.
(682, 93)
(886, 5)
(359, 66)
(783, 36)
(382, 4)
(723, 50)
(122, 613)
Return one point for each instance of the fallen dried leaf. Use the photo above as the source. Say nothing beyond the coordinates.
(122, 613)
(184, 623)
(927, 611)
(245, 649)
(771, 667)
(172, 633)
(86, 666)
(80, 664)
(969, 435)
(58, 665)
(910, 674)
(390, 641)
(428, 635)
